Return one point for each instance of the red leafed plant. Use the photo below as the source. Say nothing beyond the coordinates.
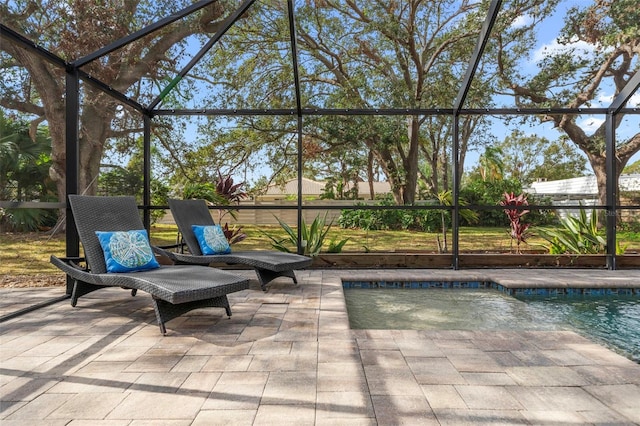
(233, 194)
(224, 193)
(519, 229)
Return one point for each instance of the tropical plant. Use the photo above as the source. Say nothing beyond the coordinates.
(336, 246)
(24, 174)
(518, 229)
(313, 237)
(224, 193)
(24, 220)
(577, 235)
(446, 199)
(491, 164)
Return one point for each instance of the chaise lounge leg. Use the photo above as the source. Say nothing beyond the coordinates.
(265, 277)
(80, 288)
(166, 311)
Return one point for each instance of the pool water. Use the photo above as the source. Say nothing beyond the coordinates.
(611, 320)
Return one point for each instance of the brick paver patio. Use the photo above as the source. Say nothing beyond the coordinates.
(288, 356)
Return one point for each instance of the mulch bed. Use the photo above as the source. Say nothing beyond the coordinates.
(36, 280)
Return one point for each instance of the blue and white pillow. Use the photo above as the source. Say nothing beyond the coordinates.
(127, 251)
(211, 239)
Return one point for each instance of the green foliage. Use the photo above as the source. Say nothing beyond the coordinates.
(632, 168)
(446, 199)
(489, 193)
(129, 181)
(577, 235)
(491, 164)
(24, 162)
(159, 197)
(389, 219)
(527, 157)
(336, 246)
(334, 189)
(313, 237)
(202, 191)
(27, 220)
(24, 174)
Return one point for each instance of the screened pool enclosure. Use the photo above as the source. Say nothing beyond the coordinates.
(406, 93)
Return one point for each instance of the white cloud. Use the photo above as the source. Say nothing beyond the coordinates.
(581, 48)
(634, 101)
(521, 21)
(591, 124)
(604, 101)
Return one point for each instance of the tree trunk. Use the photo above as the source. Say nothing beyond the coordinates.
(372, 193)
(411, 162)
(598, 164)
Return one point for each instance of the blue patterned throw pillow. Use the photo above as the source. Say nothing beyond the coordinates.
(211, 239)
(127, 251)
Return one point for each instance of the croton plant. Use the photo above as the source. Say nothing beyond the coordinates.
(518, 229)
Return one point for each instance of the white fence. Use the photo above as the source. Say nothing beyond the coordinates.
(267, 212)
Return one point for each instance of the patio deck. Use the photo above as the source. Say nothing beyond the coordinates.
(288, 356)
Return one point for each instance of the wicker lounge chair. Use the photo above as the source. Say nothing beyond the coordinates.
(268, 264)
(174, 290)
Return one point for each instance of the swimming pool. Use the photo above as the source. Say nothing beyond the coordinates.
(613, 320)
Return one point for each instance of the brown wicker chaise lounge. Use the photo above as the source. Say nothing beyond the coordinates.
(268, 264)
(174, 290)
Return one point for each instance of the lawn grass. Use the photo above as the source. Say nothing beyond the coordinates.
(28, 254)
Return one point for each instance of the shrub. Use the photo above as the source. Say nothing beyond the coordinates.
(389, 219)
(27, 220)
(577, 235)
(485, 193)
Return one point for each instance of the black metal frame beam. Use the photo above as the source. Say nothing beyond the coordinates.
(387, 111)
(141, 33)
(30, 45)
(72, 158)
(625, 94)
(146, 170)
(98, 84)
(299, 122)
(611, 166)
(228, 23)
(474, 61)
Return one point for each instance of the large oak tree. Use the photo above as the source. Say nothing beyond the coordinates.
(375, 54)
(571, 78)
(77, 28)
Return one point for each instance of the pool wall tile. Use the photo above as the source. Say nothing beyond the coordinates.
(518, 291)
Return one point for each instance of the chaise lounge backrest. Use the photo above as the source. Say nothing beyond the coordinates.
(93, 214)
(187, 213)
